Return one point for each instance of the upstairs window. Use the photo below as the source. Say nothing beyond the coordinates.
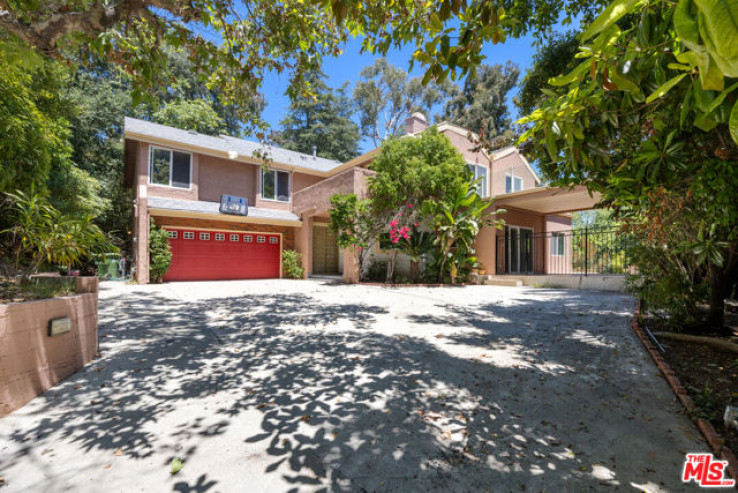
(170, 168)
(275, 185)
(513, 184)
(479, 172)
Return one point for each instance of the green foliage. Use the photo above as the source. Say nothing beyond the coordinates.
(456, 224)
(355, 225)
(643, 119)
(292, 263)
(33, 125)
(426, 168)
(553, 59)
(385, 98)
(322, 121)
(160, 253)
(196, 114)
(481, 105)
(43, 235)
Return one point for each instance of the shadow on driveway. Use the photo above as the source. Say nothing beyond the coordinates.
(289, 391)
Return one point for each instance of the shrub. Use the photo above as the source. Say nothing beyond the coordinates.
(377, 271)
(292, 262)
(42, 235)
(160, 253)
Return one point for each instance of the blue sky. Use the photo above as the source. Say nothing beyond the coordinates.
(347, 67)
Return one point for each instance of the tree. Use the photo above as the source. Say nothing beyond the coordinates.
(33, 125)
(355, 225)
(411, 172)
(385, 98)
(481, 104)
(456, 223)
(196, 114)
(648, 116)
(322, 121)
(553, 59)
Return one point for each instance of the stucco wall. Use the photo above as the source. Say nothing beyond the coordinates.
(30, 360)
(502, 166)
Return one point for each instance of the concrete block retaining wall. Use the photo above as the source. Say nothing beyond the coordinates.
(30, 360)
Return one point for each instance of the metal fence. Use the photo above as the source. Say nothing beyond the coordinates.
(585, 251)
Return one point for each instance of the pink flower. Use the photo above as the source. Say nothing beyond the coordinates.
(416, 224)
(410, 205)
(399, 214)
(393, 223)
(395, 240)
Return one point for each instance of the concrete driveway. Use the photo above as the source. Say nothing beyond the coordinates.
(304, 385)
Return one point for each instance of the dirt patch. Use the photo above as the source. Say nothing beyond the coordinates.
(711, 379)
(12, 292)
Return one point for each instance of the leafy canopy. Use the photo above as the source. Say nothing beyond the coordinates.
(481, 104)
(416, 170)
(323, 121)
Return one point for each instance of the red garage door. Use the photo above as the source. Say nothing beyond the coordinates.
(210, 255)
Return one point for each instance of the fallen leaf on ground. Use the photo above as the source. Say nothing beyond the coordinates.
(46, 451)
(305, 418)
(119, 452)
(107, 466)
(176, 466)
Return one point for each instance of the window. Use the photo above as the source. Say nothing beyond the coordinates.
(234, 237)
(248, 238)
(558, 244)
(273, 240)
(219, 237)
(275, 185)
(479, 172)
(188, 235)
(260, 239)
(513, 183)
(169, 168)
(172, 234)
(204, 236)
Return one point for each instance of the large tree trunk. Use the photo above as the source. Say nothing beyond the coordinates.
(415, 271)
(718, 280)
(391, 266)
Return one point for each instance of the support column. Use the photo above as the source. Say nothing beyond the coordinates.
(304, 242)
(141, 238)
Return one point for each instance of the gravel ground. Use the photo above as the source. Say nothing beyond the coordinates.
(306, 385)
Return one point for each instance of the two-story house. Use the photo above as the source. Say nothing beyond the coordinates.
(179, 177)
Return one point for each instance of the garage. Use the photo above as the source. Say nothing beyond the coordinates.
(205, 255)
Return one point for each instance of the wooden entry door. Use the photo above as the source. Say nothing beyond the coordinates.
(325, 251)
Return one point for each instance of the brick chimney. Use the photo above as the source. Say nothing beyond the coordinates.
(415, 124)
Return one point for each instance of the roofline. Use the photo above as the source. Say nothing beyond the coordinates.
(159, 211)
(367, 156)
(127, 134)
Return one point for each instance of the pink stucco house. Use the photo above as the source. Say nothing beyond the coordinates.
(178, 179)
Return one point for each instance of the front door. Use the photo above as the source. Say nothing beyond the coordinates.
(325, 251)
(518, 250)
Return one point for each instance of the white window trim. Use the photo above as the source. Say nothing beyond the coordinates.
(289, 184)
(171, 165)
(248, 238)
(236, 235)
(261, 239)
(487, 191)
(204, 236)
(555, 251)
(512, 183)
(219, 236)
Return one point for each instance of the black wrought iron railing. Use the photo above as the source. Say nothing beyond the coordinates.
(585, 251)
